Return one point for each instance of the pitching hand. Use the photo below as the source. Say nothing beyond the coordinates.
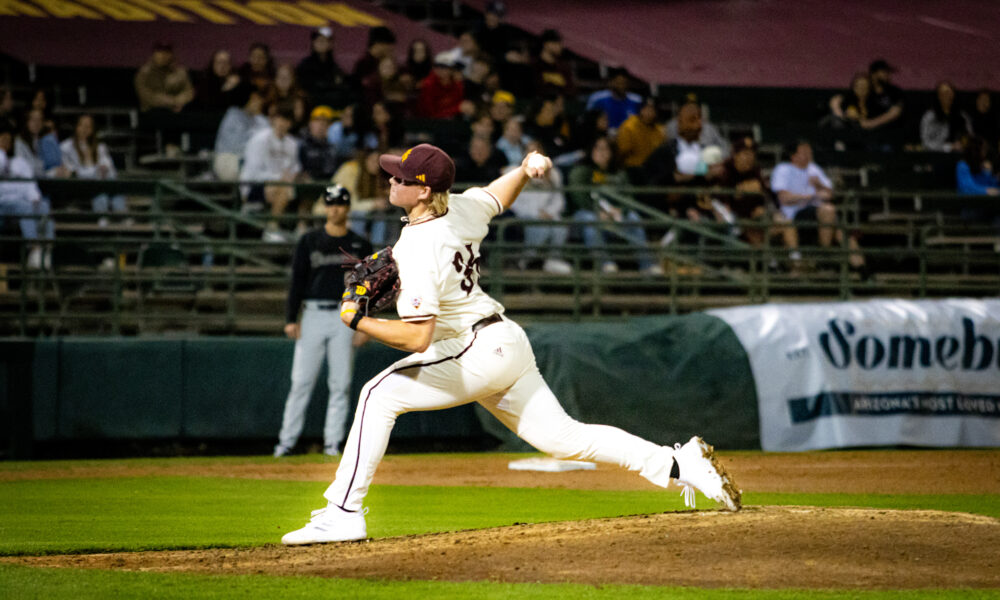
(536, 165)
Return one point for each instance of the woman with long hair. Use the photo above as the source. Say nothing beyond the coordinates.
(219, 84)
(943, 126)
(285, 90)
(87, 158)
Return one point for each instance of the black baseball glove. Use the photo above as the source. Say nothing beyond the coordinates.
(372, 281)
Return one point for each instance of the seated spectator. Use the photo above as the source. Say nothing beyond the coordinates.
(346, 133)
(258, 71)
(237, 127)
(752, 200)
(7, 118)
(39, 147)
(513, 143)
(591, 125)
(418, 60)
(481, 163)
(161, 83)
(23, 200)
(591, 206)
(388, 84)
(386, 127)
(692, 134)
(318, 73)
(86, 158)
(272, 155)
(639, 135)
(543, 199)
(219, 86)
(501, 109)
(441, 92)
(944, 125)
(805, 194)
(40, 101)
(477, 81)
(369, 187)
(848, 111)
(381, 43)
(317, 155)
(985, 120)
(616, 101)
(973, 174)
(483, 126)
(285, 90)
(464, 53)
(553, 73)
(550, 127)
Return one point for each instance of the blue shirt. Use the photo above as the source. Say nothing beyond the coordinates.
(973, 183)
(617, 109)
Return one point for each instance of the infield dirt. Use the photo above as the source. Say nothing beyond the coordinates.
(759, 547)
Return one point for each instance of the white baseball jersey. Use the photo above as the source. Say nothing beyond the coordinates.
(439, 265)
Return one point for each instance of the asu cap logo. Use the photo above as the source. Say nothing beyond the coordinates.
(405, 156)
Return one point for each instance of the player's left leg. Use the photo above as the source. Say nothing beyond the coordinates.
(339, 363)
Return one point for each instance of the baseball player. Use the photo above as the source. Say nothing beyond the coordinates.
(318, 284)
(466, 350)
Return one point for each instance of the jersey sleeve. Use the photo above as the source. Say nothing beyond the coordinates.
(483, 203)
(419, 285)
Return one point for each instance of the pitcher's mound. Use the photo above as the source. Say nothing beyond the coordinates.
(770, 547)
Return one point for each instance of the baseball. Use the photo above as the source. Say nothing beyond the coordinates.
(537, 161)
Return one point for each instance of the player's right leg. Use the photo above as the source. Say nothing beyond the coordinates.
(310, 349)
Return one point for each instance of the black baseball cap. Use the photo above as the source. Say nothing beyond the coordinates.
(336, 195)
(424, 164)
(881, 65)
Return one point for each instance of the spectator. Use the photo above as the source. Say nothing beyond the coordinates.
(418, 60)
(386, 128)
(39, 147)
(886, 105)
(317, 155)
(692, 134)
(219, 85)
(848, 111)
(40, 101)
(805, 194)
(286, 91)
(483, 126)
(369, 187)
(974, 174)
(639, 135)
(259, 70)
(86, 158)
(477, 80)
(482, 163)
(513, 143)
(593, 124)
(591, 206)
(381, 43)
(616, 101)
(161, 83)
(944, 126)
(985, 121)
(237, 127)
(318, 73)
(494, 36)
(550, 126)
(501, 109)
(441, 92)
(553, 73)
(272, 155)
(23, 199)
(7, 119)
(345, 134)
(752, 200)
(464, 53)
(388, 84)
(543, 199)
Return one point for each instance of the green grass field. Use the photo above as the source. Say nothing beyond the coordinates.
(141, 513)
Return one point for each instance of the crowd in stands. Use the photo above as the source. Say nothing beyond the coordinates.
(494, 96)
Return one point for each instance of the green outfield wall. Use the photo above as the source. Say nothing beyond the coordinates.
(664, 378)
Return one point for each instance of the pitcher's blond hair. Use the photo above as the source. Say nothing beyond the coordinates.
(439, 202)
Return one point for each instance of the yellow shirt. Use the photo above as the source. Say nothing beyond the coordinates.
(636, 141)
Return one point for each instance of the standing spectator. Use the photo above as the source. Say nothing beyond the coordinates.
(944, 125)
(237, 127)
(616, 101)
(258, 71)
(381, 43)
(219, 85)
(163, 84)
(639, 135)
(985, 120)
(805, 194)
(513, 143)
(317, 155)
(318, 73)
(317, 285)
(364, 179)
(886, 105)
(481, 163)
(553, 73)
(39, 147)
(86, 158)
(494, 36)
(286, 91)
(543, 199)
(272, 155)
(441, 92)
(590, 206)
(418, 60)
(24, 200)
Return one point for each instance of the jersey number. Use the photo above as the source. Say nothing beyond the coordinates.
(468, 268)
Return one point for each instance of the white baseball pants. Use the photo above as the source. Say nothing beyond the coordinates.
(495, 367)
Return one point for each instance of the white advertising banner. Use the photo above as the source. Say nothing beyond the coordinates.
(876, 373)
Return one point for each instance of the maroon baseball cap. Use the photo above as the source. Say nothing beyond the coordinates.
(425, 164)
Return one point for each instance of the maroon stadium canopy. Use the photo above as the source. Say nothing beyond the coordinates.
(121, 33)
(801, 43)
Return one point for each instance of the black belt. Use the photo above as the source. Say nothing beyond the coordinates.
(328, 306)
(486, 322)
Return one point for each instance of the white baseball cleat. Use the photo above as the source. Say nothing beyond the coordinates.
(329, 525)
(698, 468)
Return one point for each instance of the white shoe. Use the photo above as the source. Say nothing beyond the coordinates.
(329, 524)
(609, 266)
(280, 451)
(331, 450)
(103, 222)
(35, 258)
(698, 468)
(653, 270)
(274, 236)
(557, 266)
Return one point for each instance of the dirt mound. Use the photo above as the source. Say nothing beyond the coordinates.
(760, 547)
